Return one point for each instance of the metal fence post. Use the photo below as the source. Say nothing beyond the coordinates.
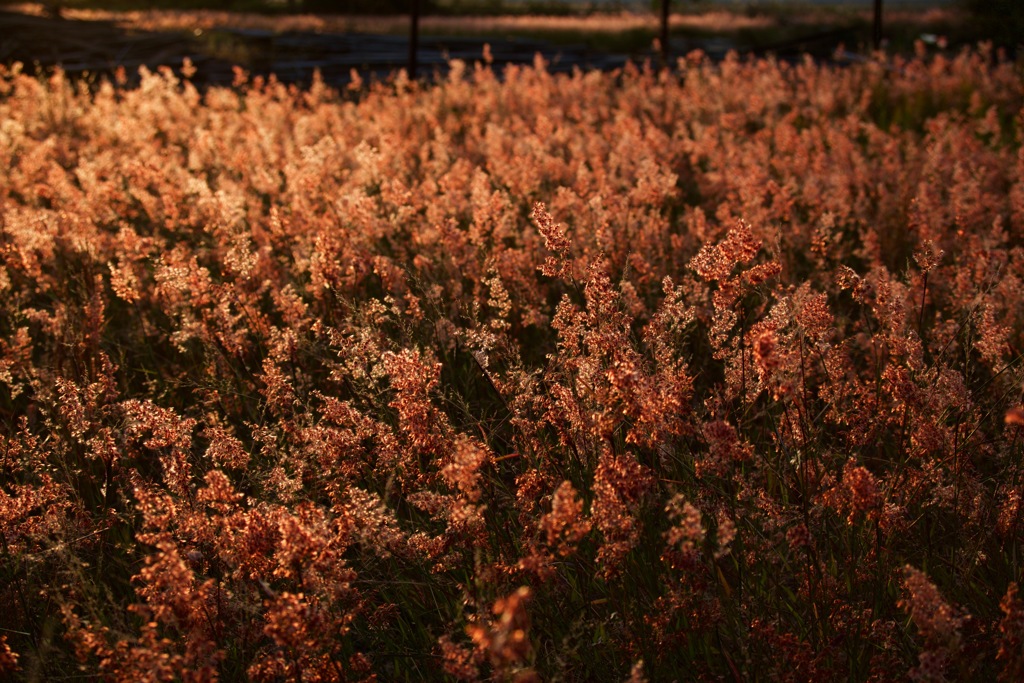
(877, 28)
(414, 30)
(664, 30)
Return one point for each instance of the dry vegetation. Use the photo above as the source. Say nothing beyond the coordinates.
(703, 374)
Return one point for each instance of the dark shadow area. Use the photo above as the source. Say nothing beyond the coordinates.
(97, 48)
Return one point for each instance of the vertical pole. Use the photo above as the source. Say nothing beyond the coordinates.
(664, 30)
(414, 30)
(877, 29)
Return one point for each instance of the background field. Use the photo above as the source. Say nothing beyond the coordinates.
(93, 42)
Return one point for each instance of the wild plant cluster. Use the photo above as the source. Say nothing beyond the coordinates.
(703, 374)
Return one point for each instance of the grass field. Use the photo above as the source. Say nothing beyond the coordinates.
(703, 374)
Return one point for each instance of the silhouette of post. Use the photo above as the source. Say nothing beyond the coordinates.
(414, 30)
(877, 28)
(664, 30)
